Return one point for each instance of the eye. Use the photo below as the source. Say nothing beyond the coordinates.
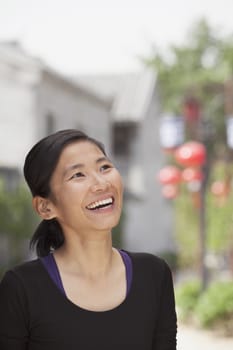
(105, 167)
(79, 174)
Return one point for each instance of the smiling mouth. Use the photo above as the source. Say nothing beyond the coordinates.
(104, 203)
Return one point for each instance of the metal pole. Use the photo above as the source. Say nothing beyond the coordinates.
(203, 136)
(202, 228)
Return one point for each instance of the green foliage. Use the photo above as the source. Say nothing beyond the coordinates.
(187, 295)
(212, 308)
(17, 223)
(220, 226)
(17, 218)
(215, 304)
(198, 68)
(204, 60)
(186, 228)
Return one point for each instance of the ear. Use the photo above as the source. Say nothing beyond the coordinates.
(43, 207)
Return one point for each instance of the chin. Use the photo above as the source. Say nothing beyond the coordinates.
(108, 226)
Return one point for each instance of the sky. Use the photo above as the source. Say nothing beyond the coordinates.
(105, 36)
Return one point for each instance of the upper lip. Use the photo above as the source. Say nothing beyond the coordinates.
(101, 198)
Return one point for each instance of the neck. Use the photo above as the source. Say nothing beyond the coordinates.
(87, 257)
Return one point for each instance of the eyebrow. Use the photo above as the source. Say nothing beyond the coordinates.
(81, 165)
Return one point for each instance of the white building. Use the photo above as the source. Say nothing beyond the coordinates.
(35, 101)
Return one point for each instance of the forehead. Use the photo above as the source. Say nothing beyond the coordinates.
(79, 151)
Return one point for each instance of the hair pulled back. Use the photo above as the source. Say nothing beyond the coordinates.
(39, 166)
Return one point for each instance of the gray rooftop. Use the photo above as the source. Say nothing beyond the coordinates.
(130, 93)
(13, 54)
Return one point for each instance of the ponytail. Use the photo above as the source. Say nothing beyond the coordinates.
(48, 236)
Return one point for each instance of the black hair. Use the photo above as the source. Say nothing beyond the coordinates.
(39, 166)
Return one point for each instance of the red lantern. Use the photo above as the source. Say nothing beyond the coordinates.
(192, 174)
(191, 154)
(169, 191)
(169, 175)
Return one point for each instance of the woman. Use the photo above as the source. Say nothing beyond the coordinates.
(81, 293)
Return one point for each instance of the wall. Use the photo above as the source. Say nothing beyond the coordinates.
(70, 107)
(17, 112)
(149, 217)
(28, 96)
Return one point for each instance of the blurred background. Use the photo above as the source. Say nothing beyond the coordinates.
(153, 80)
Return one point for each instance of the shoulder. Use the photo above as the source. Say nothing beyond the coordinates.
(21, 273)
(148, 262)
(27, 267)
(151, 275)
(147, 259)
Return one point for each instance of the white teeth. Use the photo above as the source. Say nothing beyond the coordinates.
(98, 203)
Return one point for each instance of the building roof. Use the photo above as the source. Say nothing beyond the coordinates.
(130, 93)
(127, 95)
(14, 55)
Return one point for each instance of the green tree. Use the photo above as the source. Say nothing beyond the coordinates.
(199, 68)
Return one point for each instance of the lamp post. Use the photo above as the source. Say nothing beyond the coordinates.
(190, 154)
(196, 130)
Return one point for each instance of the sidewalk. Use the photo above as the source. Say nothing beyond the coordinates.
(192, 339)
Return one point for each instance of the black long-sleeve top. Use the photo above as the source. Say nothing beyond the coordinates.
(35, 315)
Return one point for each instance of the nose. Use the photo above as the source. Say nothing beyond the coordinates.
(99, 183)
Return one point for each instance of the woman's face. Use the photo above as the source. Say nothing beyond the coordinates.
(87, 189)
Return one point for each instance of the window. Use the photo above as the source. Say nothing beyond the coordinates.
(121, 140)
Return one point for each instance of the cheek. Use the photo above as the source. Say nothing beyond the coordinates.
(121, 186)
(118, 181)
(67, 198)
